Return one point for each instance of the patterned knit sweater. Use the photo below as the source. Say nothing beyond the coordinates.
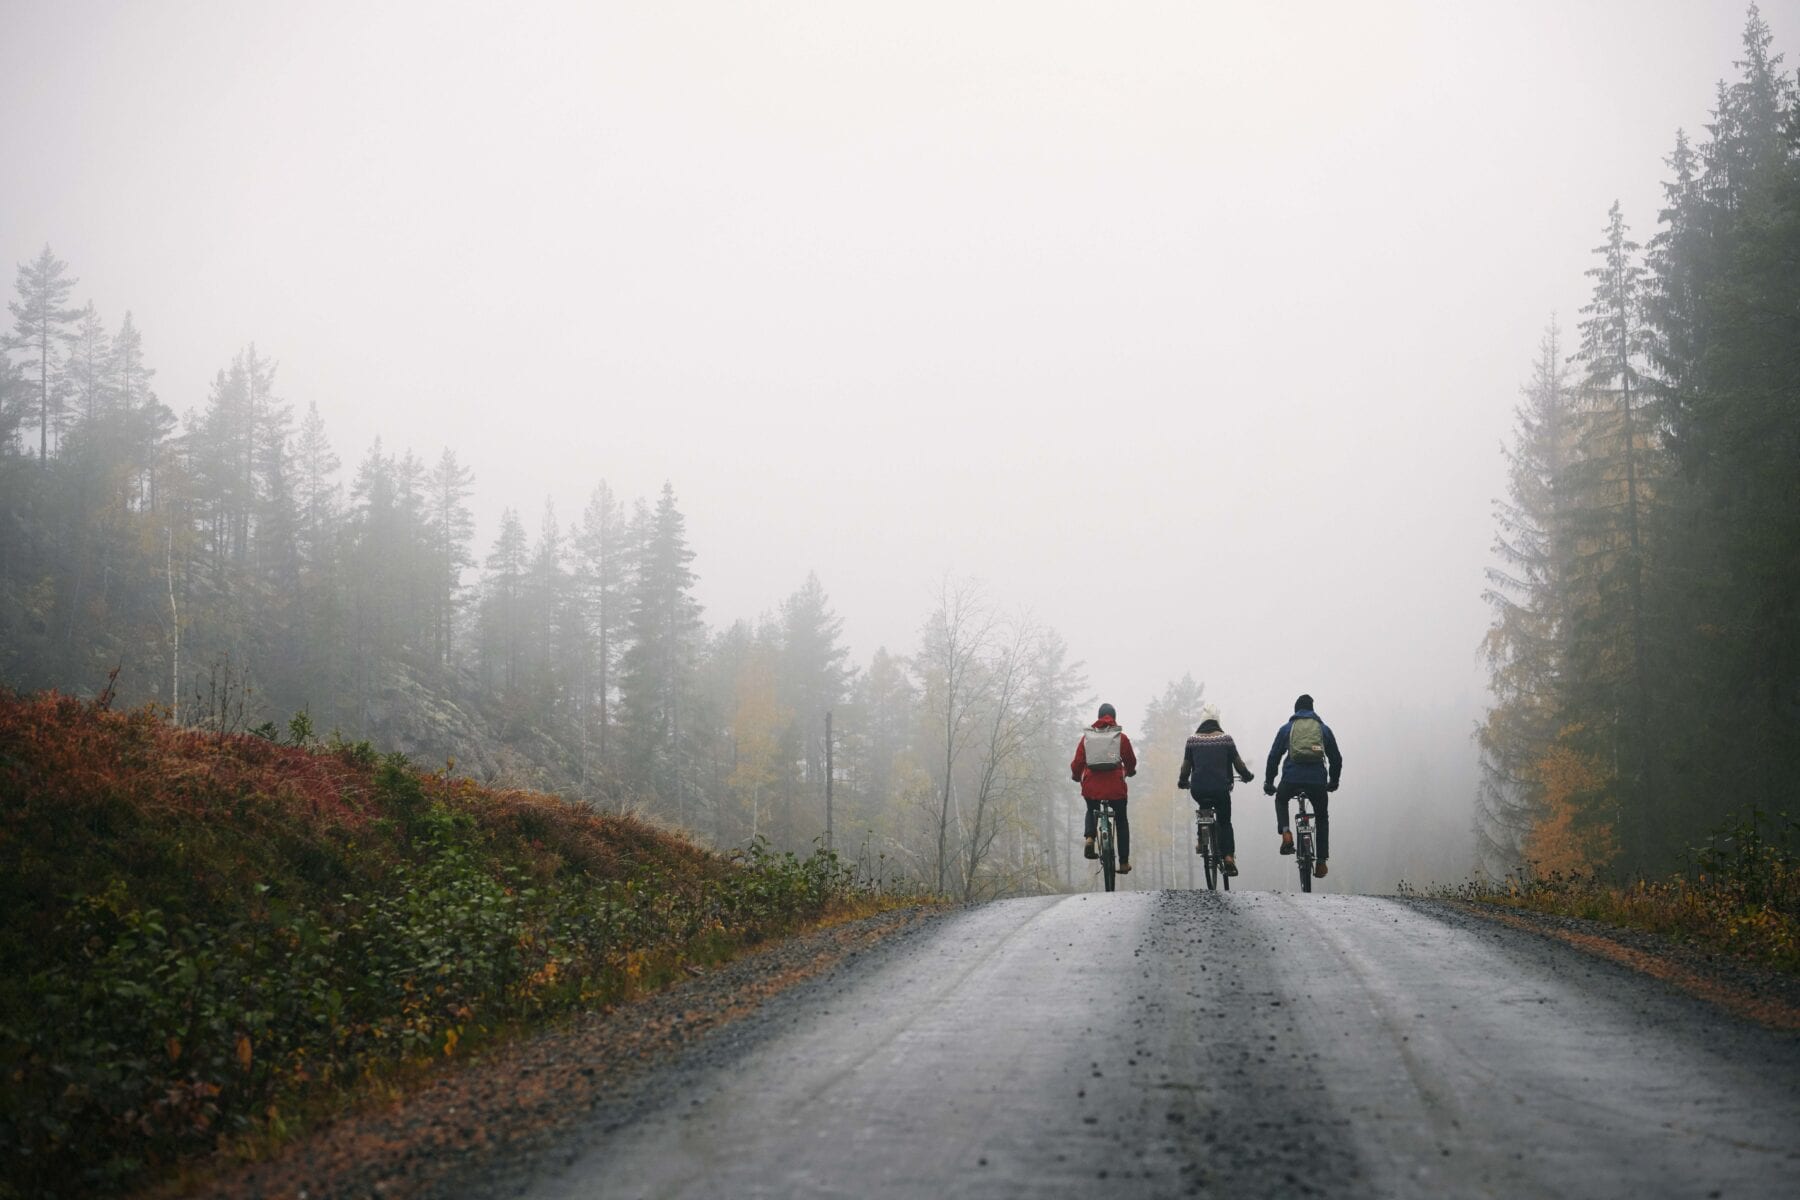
(1208, 762)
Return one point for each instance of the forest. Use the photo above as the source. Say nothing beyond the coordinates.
(214, 565)
(227, 565)
(1645, 643)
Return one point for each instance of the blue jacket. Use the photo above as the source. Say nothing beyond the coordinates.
(1304, 773)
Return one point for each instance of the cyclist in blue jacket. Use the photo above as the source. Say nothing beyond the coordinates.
(1313, 766)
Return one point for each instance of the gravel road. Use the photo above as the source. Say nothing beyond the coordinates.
(1185, 1043)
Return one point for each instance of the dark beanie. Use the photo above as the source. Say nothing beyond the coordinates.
(1107, 710)
(1304, 703)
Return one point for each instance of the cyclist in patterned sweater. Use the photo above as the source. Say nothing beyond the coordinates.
(1207, 767)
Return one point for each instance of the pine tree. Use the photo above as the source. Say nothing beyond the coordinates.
(128, 366)
(229, 439)
(91, 370)
(41, 329)
(145, 421)
(12, 407)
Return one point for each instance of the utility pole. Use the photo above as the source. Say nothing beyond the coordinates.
(828, 781)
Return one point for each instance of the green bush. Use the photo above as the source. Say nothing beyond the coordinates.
(1741, 893)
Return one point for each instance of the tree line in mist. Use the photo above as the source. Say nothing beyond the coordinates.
(221, 566)
(1645, 644)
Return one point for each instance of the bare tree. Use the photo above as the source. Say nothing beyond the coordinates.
(949, 665)
(1005, 727)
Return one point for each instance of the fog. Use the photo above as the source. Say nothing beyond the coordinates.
(1194, 330)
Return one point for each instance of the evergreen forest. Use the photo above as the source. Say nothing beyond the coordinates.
(1645, 643)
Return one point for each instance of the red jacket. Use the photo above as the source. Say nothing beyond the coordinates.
(1103, 785)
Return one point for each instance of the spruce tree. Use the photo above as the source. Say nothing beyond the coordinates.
(504, 589)
(317, 490)
(813, 673)
(604, 566)
(1722, 592)
(452, 528)
(1613, 344)
(545, 622)
(1528, 591)
(657, 667)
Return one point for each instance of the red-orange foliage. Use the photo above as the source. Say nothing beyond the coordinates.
(69, 769)
(1566, 840)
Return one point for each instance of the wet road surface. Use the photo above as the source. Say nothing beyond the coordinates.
(1245, 1044)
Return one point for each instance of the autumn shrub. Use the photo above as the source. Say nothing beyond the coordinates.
(200, 935)
(1740, 893)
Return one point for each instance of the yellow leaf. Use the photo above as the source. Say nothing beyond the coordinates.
(243, 1051)
(451, 1037)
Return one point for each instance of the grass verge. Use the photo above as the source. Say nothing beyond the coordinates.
(1741, 896)
(207, 941)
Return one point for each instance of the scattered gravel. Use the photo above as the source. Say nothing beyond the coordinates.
(480, 1127)
(495, 1124)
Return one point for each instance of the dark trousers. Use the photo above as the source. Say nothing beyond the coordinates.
(1120, 823)
(1315, 792)
(1221, 804)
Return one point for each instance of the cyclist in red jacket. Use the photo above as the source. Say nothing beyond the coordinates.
(1103, 761)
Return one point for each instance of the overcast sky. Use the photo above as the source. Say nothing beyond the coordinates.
(1195, 328)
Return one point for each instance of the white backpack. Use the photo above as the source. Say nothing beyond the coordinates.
(1102, 748)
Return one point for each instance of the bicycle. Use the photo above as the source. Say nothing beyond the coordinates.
(1303, 841)
(1206, 843)
(1104, 843)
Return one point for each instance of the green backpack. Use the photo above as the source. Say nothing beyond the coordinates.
(1306, 740)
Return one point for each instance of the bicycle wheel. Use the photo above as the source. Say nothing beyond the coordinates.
(1211, 860)
(1109, 867)
(1304, 861)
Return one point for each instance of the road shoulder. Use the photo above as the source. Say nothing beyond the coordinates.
(1745, 990)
